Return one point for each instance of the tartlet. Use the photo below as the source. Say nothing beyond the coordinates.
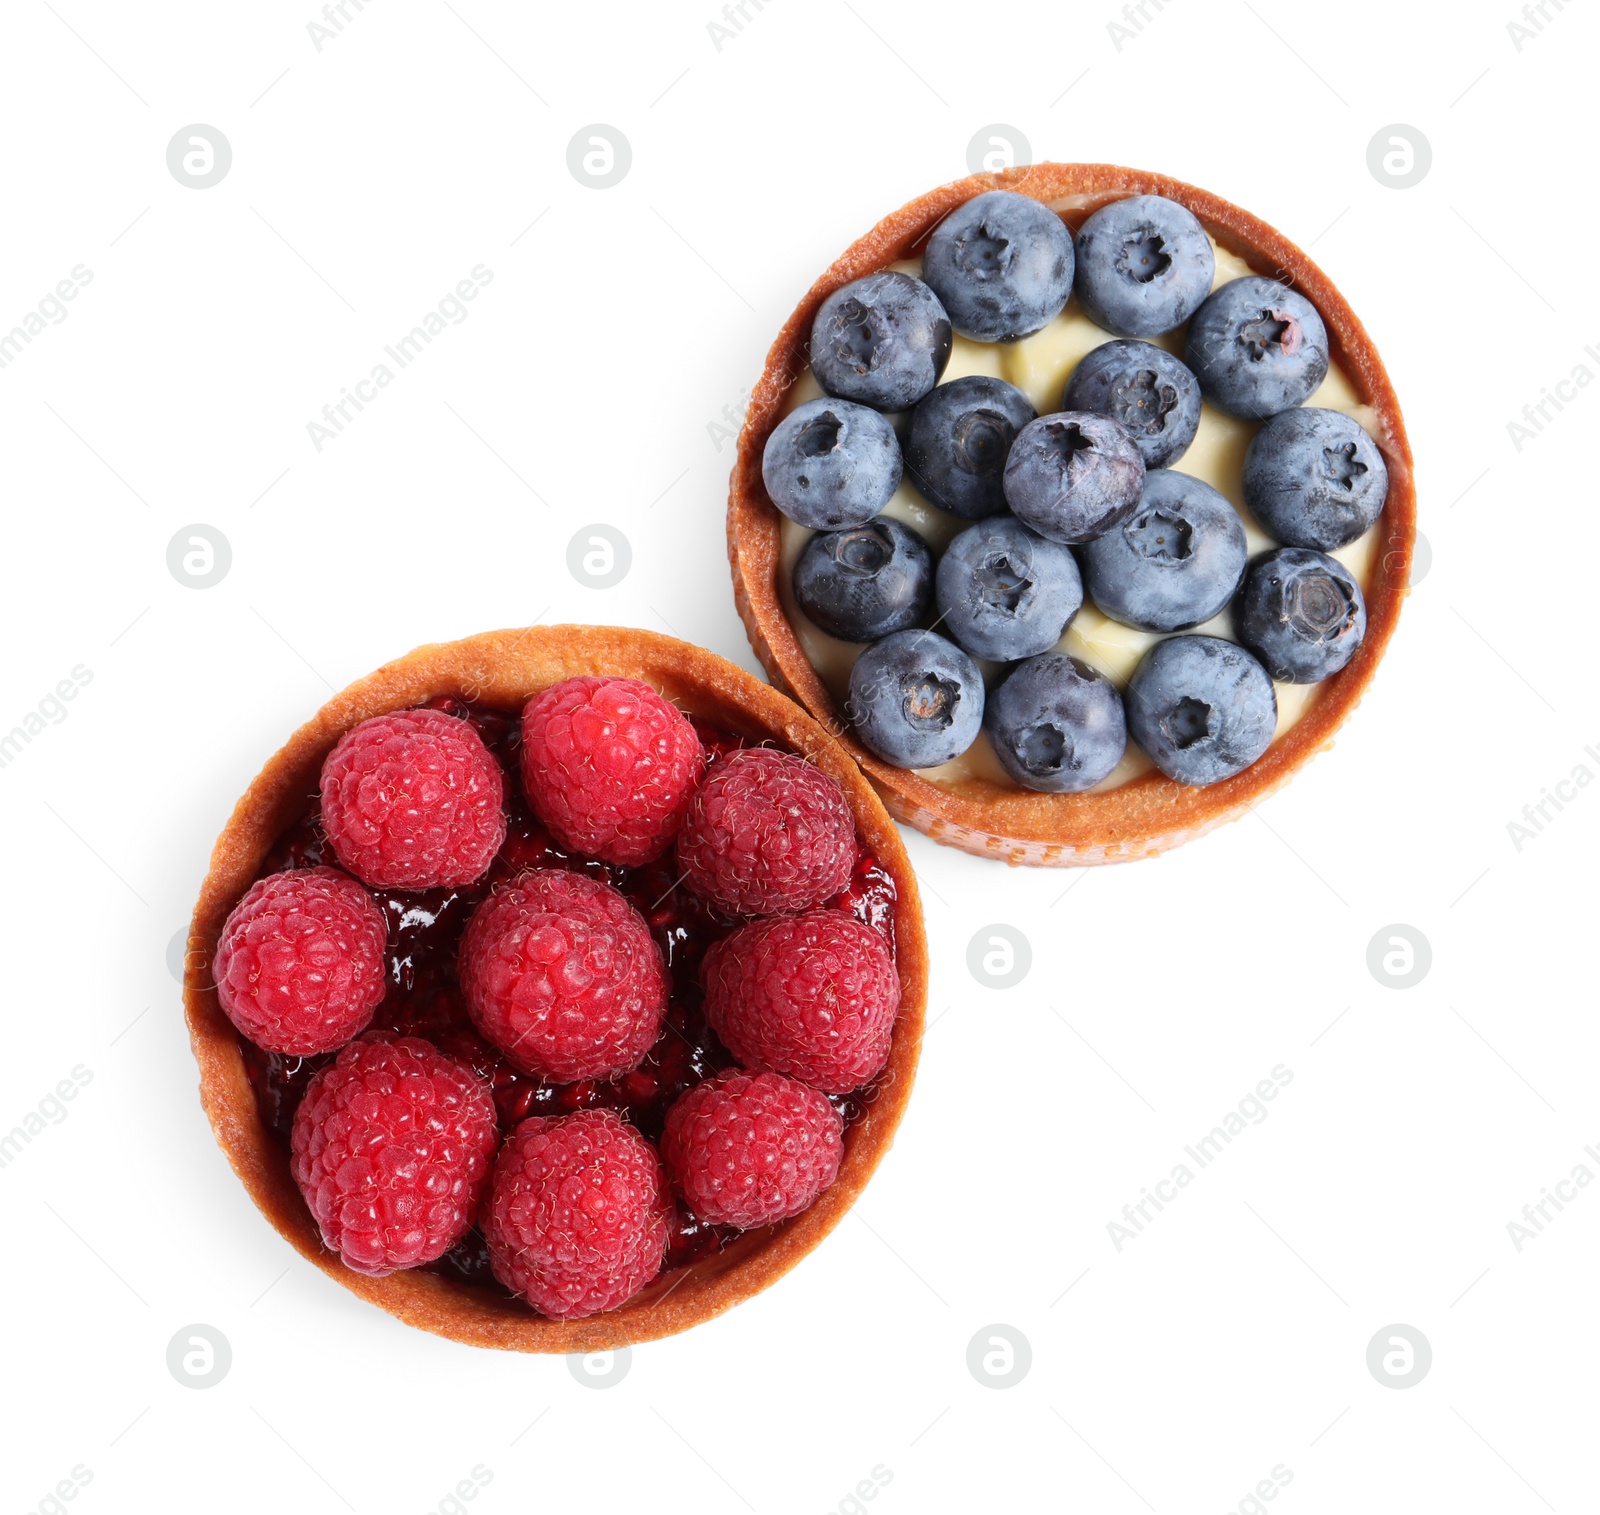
(504, 669)
(1150, 813)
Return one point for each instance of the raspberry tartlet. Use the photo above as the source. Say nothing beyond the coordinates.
(1077, 503)
(628, 1036)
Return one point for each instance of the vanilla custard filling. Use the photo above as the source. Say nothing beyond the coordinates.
(1039, 366)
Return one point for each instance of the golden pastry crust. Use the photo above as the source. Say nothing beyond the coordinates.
(506, 668)
(1152, 813)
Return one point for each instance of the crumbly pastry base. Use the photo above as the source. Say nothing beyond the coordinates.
(505, 668)
(1151, 813)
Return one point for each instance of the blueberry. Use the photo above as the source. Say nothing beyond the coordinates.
(1073, 475)
(1314, 478)
(866, 581)
(1056, 725)
(1301, 613)
(1145, 265)
(1175, 562)
(1002, 265)
(1202, 708)
(1257, 348)
(1144, 387)
(1005, 592)
(916, 699)
(882, 340)
(829, 464)
(960, 435)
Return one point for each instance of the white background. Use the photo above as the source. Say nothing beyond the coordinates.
(367, 179)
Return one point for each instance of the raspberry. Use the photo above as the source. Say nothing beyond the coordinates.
(608, 765)
(413, 800)
(391, 1149)
(561, 973)
(749, 1149)
(767, 834)
(300, 964)
(577, 1213)
(813, 996)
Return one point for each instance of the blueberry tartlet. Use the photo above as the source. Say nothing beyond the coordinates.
(1077, 502)
(557, 989)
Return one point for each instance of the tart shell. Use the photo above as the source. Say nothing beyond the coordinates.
(506, 668)
(1151, 813)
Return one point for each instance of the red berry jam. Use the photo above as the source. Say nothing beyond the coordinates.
(424, 999)
(870, 896)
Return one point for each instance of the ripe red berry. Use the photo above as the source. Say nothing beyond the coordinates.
(561, 973)
(767, 834)
(300, 963)
(391, 1148)
(577, 1214)
(813, 996)
(609, 765)
(748, 1149)
(413, 800)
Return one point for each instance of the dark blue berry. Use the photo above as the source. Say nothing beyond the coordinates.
(881, 341)
(916, 699)
(1202, 708)
(1175, 562)
(1005, 592)
(960, 436)
(1056, 725)
(1145, 265)
(1144, 387)
(1073, 475)
(1314, 478)
(1257, 348)
(1001, 264)
(1301, 613)
(865, 582)
(830, 464)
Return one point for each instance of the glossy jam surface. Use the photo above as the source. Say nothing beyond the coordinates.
(424, 999)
